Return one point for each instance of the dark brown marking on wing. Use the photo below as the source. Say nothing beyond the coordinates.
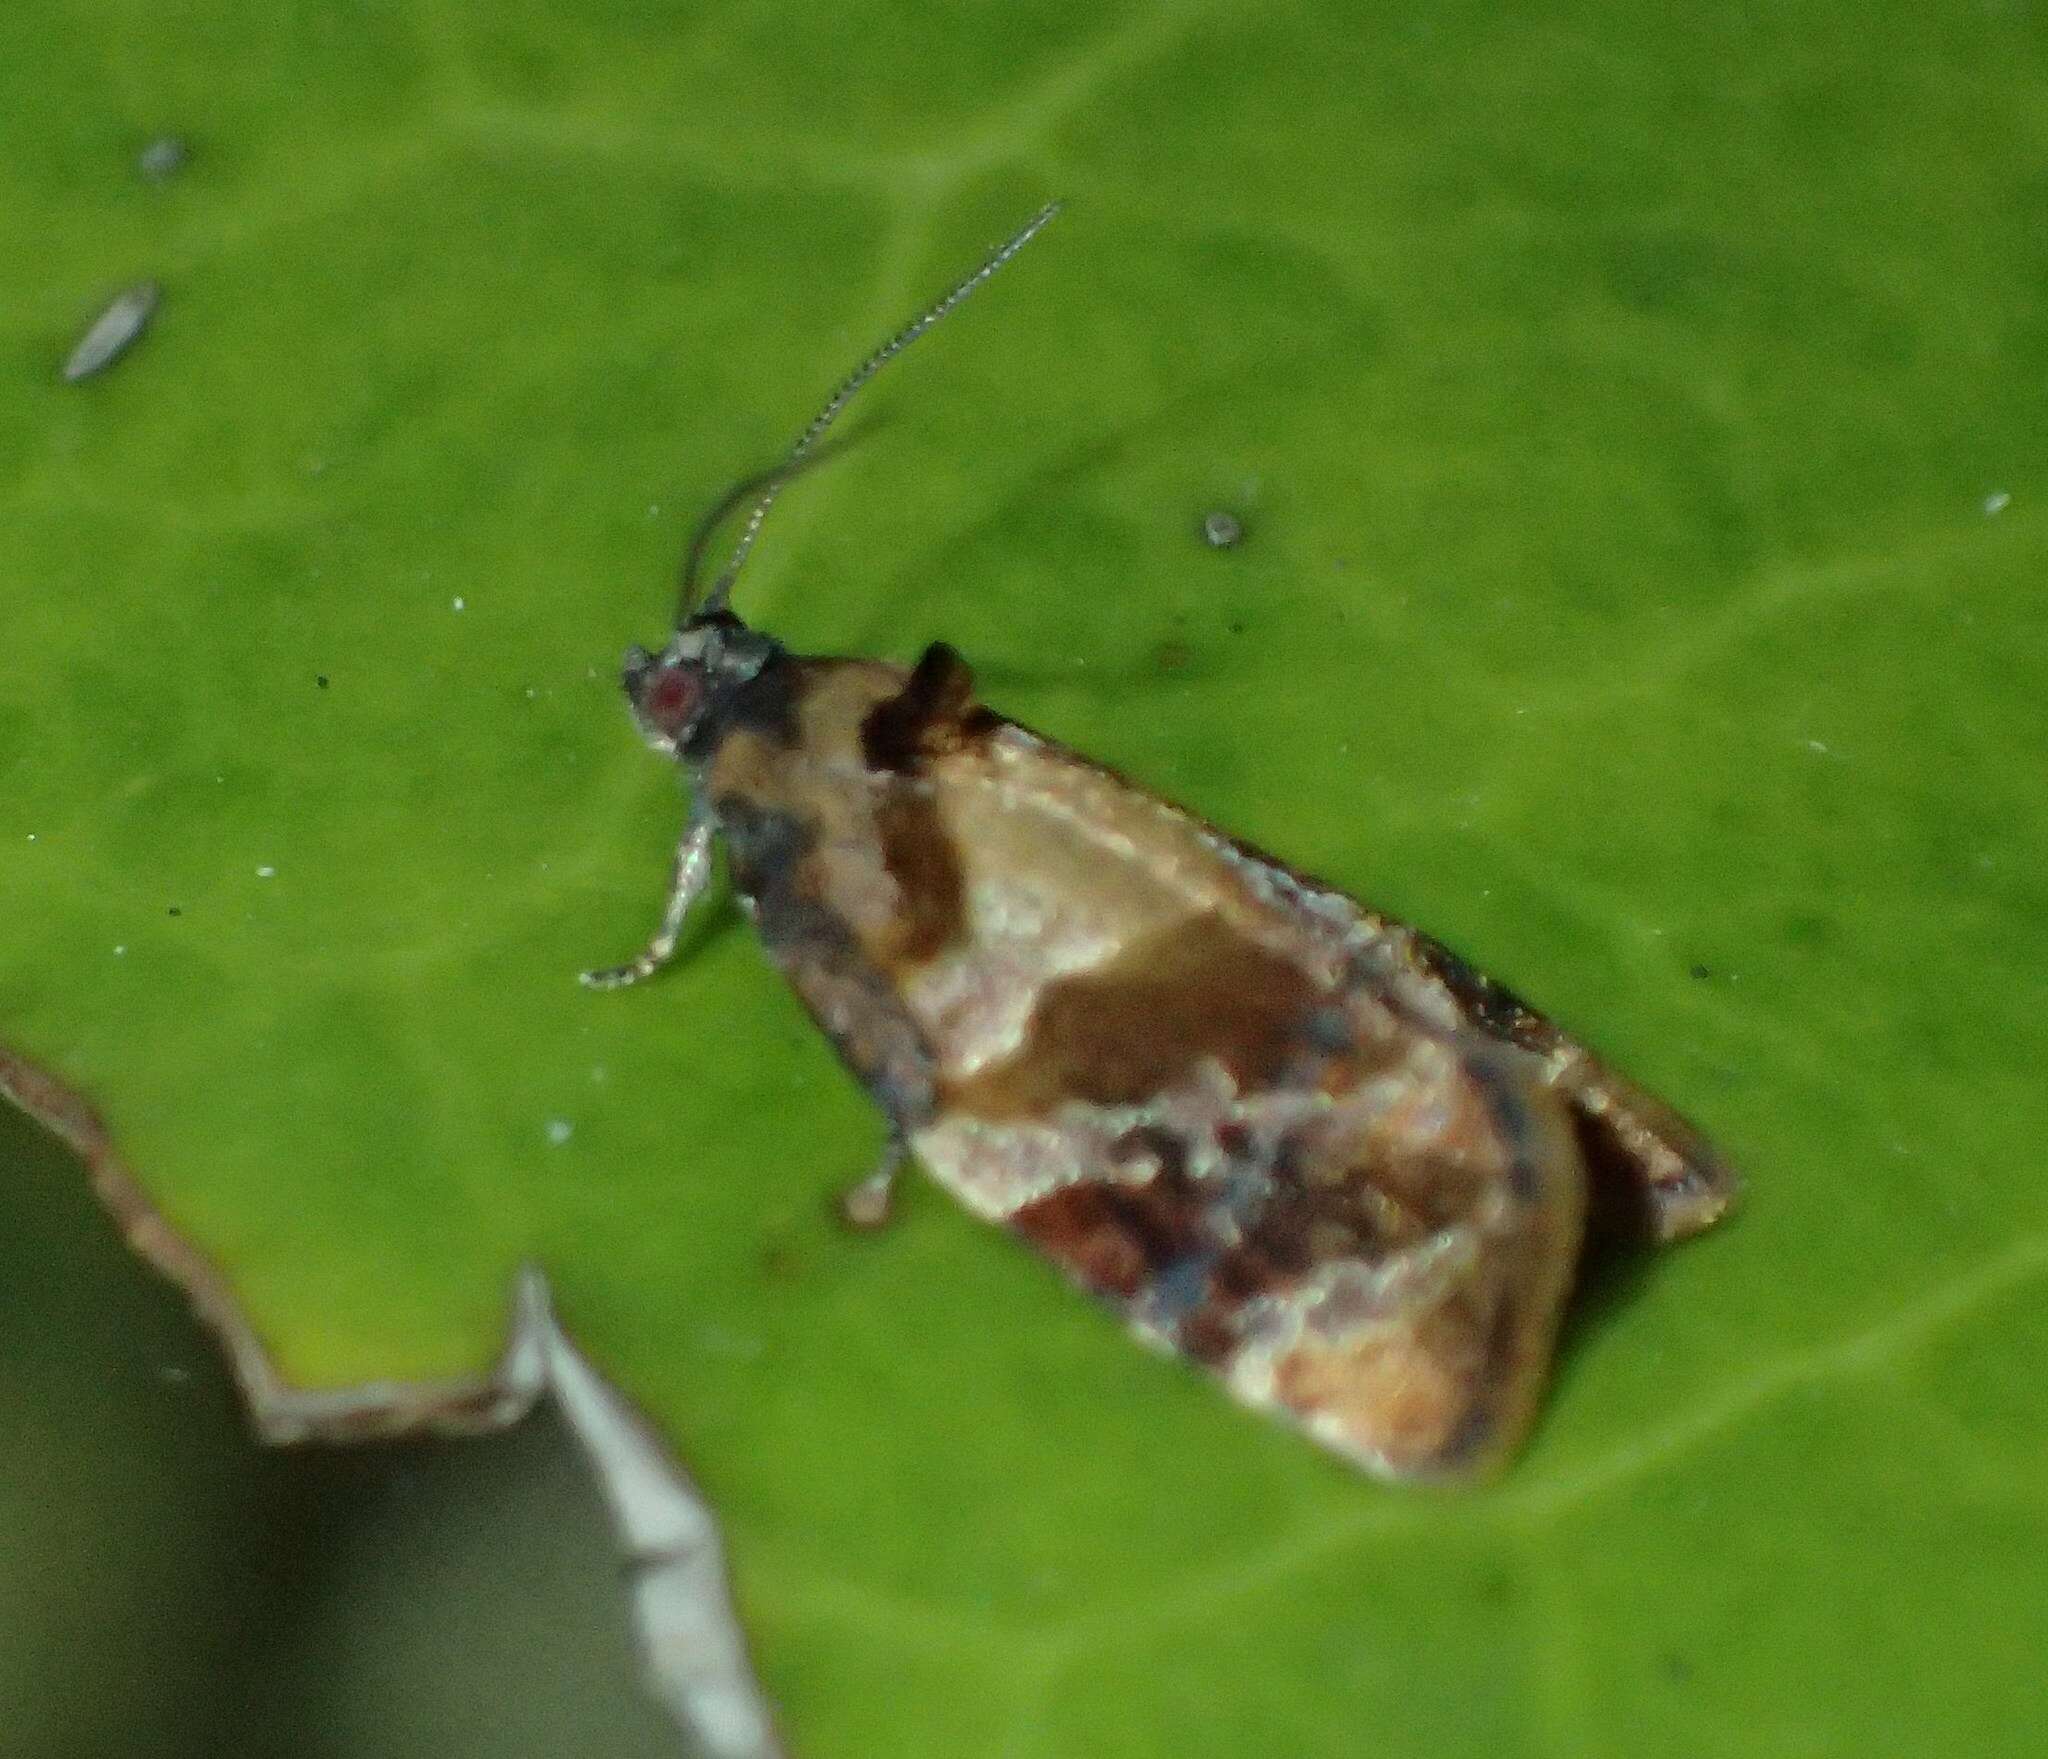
(1490, 1004)
(852, 1000)
(765, 845)
(1130, 1030)
(919, 856)
(766, 703)
(1117, 1239)
(1326, 1195)
(1209, 1334)
(1323, 1199)
(1271, 1257)
(935, 711)
(1503, 1086)
(1654, 1176)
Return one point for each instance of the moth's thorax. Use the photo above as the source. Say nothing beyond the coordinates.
(682, 694)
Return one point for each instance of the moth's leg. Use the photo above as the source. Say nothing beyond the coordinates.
(692, 874)
(868, 1204)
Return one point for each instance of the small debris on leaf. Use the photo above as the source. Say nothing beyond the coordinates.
(113, 332)
(1222, 531)
(163, 158)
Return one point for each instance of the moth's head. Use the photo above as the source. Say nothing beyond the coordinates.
(678, 695)
(675, 692)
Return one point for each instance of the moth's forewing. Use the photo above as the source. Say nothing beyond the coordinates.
(1287, 1138)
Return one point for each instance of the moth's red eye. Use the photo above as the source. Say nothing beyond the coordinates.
(671, 699)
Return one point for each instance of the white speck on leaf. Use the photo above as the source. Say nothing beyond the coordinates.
(266, 872)
(560, 1130)
(113, 332)
(1995, 504)
(163, 158)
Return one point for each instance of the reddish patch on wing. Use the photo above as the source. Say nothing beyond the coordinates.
(1114, 1239)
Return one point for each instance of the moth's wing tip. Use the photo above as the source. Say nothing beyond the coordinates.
(1707, 1190)
(1447, 1391)
(1475, 1450)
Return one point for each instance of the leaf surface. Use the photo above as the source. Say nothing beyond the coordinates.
(1634, 424)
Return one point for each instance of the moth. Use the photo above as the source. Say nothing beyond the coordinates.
(1287, 1138)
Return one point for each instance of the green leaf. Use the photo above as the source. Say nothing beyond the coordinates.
(1634, 419)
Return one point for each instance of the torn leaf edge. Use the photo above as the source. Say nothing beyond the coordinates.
(279, 1412)
(693, 1653)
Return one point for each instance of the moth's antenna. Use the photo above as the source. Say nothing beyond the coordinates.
(765, 482)
(771, 483)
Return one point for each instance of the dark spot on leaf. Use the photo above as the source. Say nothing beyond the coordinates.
(781, 1262)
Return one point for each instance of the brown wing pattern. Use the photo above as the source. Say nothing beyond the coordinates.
(1293, 1141)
